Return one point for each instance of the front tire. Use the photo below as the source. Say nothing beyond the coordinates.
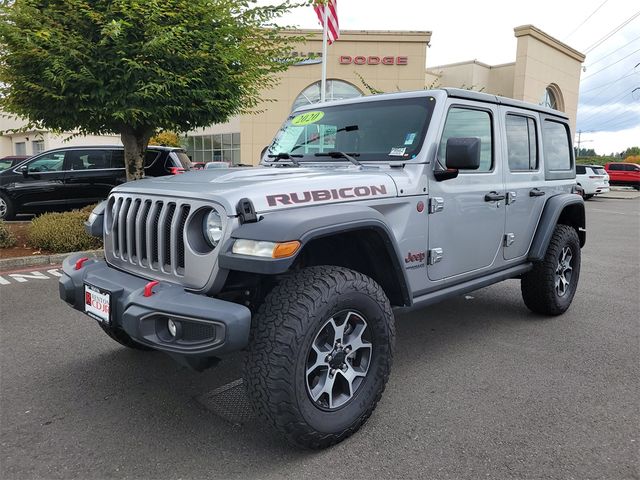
(7, 210)
(549, 288)
(320, 354)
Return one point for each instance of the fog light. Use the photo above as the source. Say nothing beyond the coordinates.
(173, 328)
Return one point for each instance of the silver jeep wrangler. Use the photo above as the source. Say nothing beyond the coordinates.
(359, 207)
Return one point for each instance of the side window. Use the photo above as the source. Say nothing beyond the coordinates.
(465, 122)
(117, 159)
(613, 166)
(51, 162)
(150, 157)
(580, 170)
(522, 147)
(555, 141)
(87, 159)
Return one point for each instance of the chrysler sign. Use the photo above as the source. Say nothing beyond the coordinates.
(372, 60)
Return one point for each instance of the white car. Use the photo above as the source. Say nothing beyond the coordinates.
(593, 179)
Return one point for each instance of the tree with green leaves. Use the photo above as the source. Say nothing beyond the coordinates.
(135, 67)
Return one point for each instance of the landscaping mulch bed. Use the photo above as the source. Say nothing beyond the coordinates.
(19, 230)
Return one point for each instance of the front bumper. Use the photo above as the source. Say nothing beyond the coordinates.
(209, 327)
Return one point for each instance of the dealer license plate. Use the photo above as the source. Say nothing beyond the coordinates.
(97, 303)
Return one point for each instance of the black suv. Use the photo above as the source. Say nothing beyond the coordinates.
(73, 177)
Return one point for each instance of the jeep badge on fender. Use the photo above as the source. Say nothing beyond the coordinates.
(359, 207)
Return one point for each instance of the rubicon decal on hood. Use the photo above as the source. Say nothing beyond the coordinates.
(323, 195)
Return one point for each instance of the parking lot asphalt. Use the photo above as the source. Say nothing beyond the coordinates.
(480, 388)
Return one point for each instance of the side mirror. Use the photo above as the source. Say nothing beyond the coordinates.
(463, 153)
(24, 170)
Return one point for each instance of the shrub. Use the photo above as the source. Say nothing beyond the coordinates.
(6, 237)
(61, 233)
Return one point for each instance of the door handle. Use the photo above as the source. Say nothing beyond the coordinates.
(493, 197)
(536, 193)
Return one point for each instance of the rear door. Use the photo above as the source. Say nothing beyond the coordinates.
(89, 176)
(465, 234)
(524, 180)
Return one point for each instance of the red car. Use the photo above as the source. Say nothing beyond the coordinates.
(624, 174)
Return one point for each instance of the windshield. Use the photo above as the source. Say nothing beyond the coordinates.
(376, 130)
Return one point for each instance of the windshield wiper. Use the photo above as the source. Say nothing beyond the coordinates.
(286, 156)
(336, 154)
(348, 128)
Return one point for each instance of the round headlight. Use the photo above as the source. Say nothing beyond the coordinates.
(213, 228)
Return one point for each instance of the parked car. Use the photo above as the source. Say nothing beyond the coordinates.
(401, 200)
(12, 161)
(593, 179)
(73, 177)
(624, 174)
(198, 165)
(210, 165)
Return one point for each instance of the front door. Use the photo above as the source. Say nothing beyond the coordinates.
(524, 180)
(465, 234)
(42, 185)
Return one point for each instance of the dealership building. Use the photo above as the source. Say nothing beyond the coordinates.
(545, 71)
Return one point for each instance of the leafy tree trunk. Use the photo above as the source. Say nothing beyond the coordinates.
(135, 143)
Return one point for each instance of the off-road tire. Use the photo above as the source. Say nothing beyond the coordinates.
(10, 212)
(123, 338)
(286, 324)
(539, 285)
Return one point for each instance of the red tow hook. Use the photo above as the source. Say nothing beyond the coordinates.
(80, 262)
(148, 288)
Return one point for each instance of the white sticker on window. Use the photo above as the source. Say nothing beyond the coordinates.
(397, 151)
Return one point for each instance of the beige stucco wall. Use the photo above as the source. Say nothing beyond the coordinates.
(8, 139)
(257, 130)
(542, 60)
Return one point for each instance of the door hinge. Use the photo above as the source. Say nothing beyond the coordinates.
(434, 255)
(436, 204)
(511, 197)
(509, 238)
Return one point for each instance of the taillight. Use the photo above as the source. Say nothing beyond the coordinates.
(176, 170)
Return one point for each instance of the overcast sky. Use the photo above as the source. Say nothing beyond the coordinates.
(463, 30)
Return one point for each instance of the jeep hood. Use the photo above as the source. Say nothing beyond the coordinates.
(270, 188)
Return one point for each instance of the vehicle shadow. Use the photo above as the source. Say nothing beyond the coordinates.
(155, 398)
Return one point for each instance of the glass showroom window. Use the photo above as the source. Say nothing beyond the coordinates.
(336, 90)
(221, 147)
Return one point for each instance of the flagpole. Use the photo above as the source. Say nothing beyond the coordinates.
(323, 82)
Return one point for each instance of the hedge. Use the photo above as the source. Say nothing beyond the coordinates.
(7, 239)
(61, 233)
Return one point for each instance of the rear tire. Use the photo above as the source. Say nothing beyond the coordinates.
(123, 338)
(549, 288)
(320, 353)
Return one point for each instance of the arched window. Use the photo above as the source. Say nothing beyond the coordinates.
(336, 90)
(553, 97)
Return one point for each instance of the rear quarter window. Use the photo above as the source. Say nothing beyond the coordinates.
(556, 146)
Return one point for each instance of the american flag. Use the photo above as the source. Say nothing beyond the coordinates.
(333, 28)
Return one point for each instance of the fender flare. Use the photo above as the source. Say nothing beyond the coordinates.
(550, 217)
(305, 225)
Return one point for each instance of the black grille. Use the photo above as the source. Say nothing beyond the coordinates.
(180, 238)
(195, 332)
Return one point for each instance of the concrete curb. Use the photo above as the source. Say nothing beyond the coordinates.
(41, 260)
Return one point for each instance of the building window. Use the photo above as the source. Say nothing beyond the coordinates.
(221, 147)
(552, 98)
(336, 90)
(37, 146)
(21, 148)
